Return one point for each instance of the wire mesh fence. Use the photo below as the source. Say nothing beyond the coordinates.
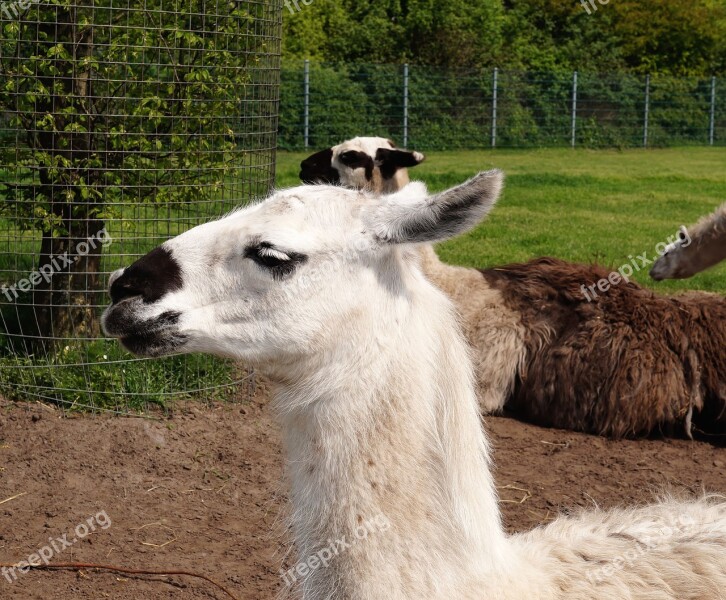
(121, 124)
(432, 108)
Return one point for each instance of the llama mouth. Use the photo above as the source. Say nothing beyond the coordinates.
(157, 336)
(153, 344)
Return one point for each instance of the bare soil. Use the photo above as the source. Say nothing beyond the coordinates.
(201, 490)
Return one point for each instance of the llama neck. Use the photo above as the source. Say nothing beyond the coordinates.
(430, 261)
(709, 247)
(395, 449)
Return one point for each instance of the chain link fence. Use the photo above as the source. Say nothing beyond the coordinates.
(432, 108)
(121, 124)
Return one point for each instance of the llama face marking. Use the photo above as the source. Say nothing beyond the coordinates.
(133, 290)
(284, 281)
(357, 163)
(318, 168)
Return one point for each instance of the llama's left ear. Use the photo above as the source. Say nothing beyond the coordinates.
(411, 216)
(389, 161)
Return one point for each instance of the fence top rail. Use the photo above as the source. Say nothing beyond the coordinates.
(564, 74)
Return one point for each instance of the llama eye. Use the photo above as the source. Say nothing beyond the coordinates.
(276, 261)
(354, 159)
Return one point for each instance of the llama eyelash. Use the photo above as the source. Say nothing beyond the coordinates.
(267, 252)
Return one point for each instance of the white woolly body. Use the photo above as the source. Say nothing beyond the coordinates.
(398, 435)
(380, 421)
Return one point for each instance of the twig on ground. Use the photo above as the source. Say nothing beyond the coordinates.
(527, 494)
(127, 572)
(13, 497)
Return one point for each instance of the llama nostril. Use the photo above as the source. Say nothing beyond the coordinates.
(120, 290)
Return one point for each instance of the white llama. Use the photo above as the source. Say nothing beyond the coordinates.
(548, 353)
(696, 249)
(374, 393)
(494, 330)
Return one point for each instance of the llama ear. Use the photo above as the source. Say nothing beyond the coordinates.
(389, 161)
(412, 216)
(684, 237)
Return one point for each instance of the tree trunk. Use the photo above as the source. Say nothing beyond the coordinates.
(68, 273)
(67, 277)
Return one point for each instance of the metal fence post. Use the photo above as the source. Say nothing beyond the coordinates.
(574, 107)
(306, 103)
(405, 105)
(646, 116)
(494, 107)
(712, 124)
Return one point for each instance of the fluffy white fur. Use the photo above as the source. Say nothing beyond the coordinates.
(375, 396)
(496, 333)
(696, 249)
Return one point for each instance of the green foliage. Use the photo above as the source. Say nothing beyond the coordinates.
(339, 105)
(535, 44)
(115, 102)
(452, 108)
(672, 37)
(657, 36)
(140, 118)
(437, 32)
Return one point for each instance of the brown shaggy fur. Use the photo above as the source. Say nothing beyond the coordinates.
(628, 363)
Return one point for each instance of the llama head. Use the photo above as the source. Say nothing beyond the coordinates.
(370, 163)
(671, 265)
(289, 278)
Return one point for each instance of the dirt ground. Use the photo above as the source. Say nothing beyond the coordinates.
(201, 490)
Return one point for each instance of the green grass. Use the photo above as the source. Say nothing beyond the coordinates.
(100, 374)
(89, 374)
(580, 205)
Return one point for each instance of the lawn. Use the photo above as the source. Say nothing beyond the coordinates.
(600, 206)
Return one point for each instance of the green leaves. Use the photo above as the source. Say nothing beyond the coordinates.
(124, 104)
(656, 36)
